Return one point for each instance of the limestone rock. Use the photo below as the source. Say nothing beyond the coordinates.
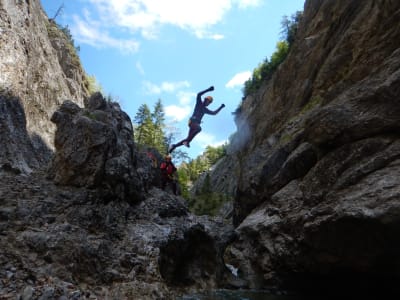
(94, 149)
(318, 189)
(40, 68)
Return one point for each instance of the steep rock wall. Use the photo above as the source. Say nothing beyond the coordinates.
(318, 150)
(37, 66)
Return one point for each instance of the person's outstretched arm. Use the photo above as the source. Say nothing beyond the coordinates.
(214, 112)
(199, 94)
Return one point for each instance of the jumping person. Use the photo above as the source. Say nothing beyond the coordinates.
(194, 122)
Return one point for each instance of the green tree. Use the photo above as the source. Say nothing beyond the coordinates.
(282, 49)
(289, 27)
(159, 137)
(150, 127)
(265, 70)
(143, 121)
(213, 154)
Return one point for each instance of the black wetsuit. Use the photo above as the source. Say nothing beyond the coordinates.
(194, 124)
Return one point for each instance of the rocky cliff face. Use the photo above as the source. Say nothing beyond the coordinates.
(318, 149)
(316, 159)
(39, 70)
(96, 225)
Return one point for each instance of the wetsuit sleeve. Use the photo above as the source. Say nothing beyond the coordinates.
(213, 112)
(199, 94)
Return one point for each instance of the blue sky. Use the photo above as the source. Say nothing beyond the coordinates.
(144, 50)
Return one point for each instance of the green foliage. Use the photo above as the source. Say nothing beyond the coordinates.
(206, 202)
(194, 168)
(67, 32)
(149, 127)
(289, 27)
(266, 69)
(213, 154)
(93, 84)
(57, 31)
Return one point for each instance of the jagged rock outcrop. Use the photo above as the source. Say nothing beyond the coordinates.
(39, 66)
(319, 154)
(95, 149)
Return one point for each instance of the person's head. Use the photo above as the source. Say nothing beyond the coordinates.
(168, 157)
(208, 100)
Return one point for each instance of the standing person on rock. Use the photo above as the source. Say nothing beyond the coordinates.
(194, 122)
(168, 173)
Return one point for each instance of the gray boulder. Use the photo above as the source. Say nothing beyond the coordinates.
(95, 149)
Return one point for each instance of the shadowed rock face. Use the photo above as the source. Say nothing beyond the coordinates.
(40, 68)
(95, 149)
(37, 64)
(194, 256)
(318, 186)
(20, 152)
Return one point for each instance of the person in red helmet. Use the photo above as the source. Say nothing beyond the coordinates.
(194, 122)
(168, 173)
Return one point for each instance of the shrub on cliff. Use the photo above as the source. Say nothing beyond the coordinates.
(266, 69)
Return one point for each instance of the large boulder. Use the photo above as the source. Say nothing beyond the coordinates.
(95, 149)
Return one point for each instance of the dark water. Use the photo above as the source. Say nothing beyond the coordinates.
(327, 294)
(238, 295)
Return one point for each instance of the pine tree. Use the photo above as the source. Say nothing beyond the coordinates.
(159, 137)
(142, 121)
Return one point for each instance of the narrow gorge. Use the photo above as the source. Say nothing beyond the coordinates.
(313, 172)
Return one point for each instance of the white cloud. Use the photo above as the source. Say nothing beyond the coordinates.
(146, 17)
(179, 113)
(139, 67)
(202, 34)
(186, 98)
(248, 3)
(217, 37)
(90, 32)
(204, 139)
(239, 79)
(168, 87)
